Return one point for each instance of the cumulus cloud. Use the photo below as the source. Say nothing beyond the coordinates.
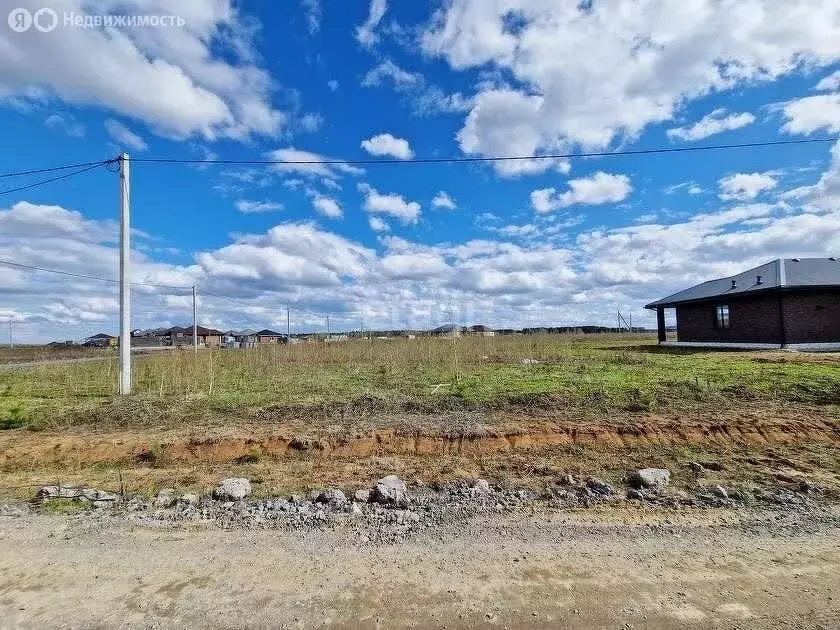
(306, 163)
(312, 13)
(123, 136)
(327, 206)
(716, 122)
(366, 33)
(207, 70)
(598, 189)
(812, 113)
(65, 123)
(425, 98)
(378, 225)
(443, 201)
(745, 186)
(246, 206)
(390, 204)
(652, 58)
(386, 144)
(831, 83)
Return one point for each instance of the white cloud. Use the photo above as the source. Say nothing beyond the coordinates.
(327, 206)
(366, 33)
(695, 190)
(426, 99)
(123, 136)
(253, 207)
(745, 186)
(716, 122)
(312, 12)
(333, 85)
(443, 200)
(386, 144)
(589, 74)
(378, 225)
(65, 123)
(390, 204)
(812, 113)
(207, 71)
(598, 189)
(830, 83)
(310, 164)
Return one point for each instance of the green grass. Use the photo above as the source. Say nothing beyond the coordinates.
(63, 506)
(586, 371)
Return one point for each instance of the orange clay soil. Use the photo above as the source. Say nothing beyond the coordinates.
(501, 434)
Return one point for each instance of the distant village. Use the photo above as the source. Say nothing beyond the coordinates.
(176, 336)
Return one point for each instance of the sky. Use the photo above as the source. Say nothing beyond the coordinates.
(404, 244)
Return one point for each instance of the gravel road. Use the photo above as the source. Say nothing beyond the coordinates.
(587, 568)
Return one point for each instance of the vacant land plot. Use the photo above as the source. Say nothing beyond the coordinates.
(520, 408)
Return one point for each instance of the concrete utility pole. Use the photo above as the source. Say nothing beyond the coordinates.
(288, 326)
(195, 324)
(328, 328)
(125, 287)
(11, 338)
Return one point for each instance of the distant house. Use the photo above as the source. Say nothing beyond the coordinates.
(448, 330)
(479, 330)
(269, 336)
(101, 340)
(239, 339)
(783, 303)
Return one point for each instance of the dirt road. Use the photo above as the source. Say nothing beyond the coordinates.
(582, 569)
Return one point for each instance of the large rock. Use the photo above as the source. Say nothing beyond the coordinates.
(390, 490)
(654, 478)
(333, 497)
(481, 488)
(362, 495)
(165, 498)
(597, 486)
(47, 493)
(232, 489)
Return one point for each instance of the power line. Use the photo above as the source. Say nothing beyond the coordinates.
(9, 263)
(55, 179)
(510, 158)
(52, 169)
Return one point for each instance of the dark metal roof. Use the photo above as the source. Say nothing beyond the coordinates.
(784, 273)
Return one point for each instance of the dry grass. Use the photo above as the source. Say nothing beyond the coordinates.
(600, 372)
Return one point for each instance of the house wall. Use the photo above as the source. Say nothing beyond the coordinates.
(812, 317)
(753, 320)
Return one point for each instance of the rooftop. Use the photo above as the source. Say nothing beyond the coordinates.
(783, 273)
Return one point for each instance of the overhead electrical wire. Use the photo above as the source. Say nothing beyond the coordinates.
(52, 169)
(443, 160)
(55, 179)
(511, 158)
(9, 263)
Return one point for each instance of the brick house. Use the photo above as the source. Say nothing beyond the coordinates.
(786, 303)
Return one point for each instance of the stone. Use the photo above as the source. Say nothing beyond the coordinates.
(187, 500)
(697, 467)
(332, 496)
(636, 495)
(165, 498)
(567, 480)
(654, 478)
(232, 489)
(390, 490)
(363, 495)
(45, 493)
(357, 509)
(481, 488)
(720, 491)
(598, 486)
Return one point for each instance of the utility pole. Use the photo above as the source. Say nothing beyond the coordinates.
(328, 328)
(288, 326)
(195, 324)
(11, 338)
(125, 287)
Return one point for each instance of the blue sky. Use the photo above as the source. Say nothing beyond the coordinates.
(385, 245)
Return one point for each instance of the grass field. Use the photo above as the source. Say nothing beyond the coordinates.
(600, 372)
(518, 408)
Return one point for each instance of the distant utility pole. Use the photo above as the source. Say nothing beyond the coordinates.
(125, 287)
(11, 338)
(328, 327)
(288, 326)
(195, 324)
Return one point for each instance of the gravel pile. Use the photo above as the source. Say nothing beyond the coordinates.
(391, 510)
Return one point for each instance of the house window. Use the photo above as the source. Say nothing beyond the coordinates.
(722, 317)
